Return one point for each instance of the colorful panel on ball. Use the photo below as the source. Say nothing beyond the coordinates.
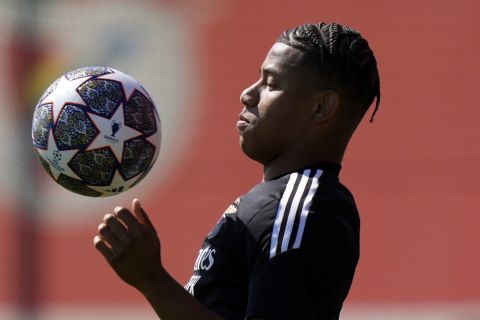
(87, 72)
(140, 114)
(137, 156)
(74, 129)
(42, 121)
(95, 167)
(102, 96)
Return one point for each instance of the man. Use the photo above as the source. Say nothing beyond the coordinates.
(287, 249)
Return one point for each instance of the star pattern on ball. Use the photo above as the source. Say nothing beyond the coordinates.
(67, 94)
(118, 135)
(129, 83)
(58, 159)
(108, 150)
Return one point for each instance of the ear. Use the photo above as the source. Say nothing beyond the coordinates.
(328, 102)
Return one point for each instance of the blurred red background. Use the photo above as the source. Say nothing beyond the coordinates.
(414, 171)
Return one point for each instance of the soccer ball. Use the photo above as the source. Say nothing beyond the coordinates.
(96, 131)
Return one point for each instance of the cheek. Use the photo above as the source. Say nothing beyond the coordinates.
(278, 116)
(272, 104)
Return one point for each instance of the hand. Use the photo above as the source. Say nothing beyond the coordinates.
(129, 243)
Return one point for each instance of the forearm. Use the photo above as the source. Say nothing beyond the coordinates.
(172, 302)
(130, 244)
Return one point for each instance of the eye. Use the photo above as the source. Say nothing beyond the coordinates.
(270, 85)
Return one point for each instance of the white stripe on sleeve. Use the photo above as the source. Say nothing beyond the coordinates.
(306, 208)
(280, 213)
(292, 212)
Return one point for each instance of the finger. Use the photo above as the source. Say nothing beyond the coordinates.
(133, 225)
(118, 229)
(103, 248)
(109, 237)
(141, 214)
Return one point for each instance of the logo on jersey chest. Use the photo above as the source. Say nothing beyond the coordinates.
(231, 210)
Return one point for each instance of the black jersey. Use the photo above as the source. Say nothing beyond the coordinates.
(285, 250)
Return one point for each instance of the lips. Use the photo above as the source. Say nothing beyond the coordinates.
(243, 122)
(244, 118)
(242, 125)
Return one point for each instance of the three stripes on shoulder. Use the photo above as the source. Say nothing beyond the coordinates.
(293, 210)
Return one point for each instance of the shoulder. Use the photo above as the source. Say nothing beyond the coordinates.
(240, 219)
(263, 197)
(279, 208)
(313, 206)
(296, 208)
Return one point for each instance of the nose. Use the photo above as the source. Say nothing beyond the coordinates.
(249, 96)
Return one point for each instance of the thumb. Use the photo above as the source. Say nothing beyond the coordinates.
(140, 214)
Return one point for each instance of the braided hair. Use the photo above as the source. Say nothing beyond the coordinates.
(342, 55)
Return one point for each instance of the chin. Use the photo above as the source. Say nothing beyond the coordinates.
(254, 152)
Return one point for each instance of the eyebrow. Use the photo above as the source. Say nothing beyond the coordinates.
(269, 70)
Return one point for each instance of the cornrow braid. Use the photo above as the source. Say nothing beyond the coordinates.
(332, 37)
(342, 55)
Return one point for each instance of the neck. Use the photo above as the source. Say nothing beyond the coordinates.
(298, 160)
